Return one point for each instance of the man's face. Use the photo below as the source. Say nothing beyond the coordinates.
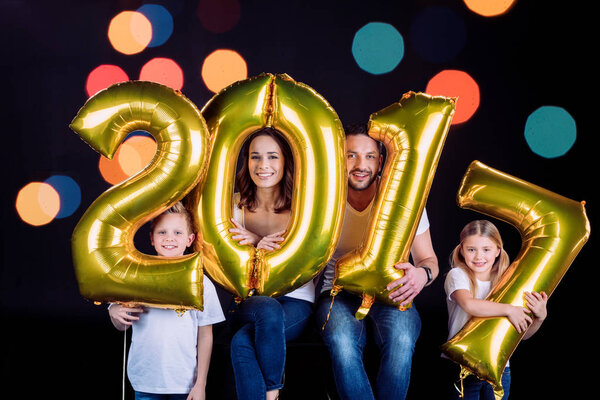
(362, 161)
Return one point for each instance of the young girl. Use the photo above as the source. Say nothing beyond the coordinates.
(170, 354)
(477, 264)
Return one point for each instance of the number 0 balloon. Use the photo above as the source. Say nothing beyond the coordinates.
(553, 230)
(316, 138)
(107, 265)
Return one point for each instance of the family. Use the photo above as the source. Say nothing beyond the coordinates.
(170, 355)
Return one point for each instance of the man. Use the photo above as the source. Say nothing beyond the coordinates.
(395, 332)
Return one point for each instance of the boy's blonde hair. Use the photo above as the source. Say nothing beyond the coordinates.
(177, 208)
(486, 229)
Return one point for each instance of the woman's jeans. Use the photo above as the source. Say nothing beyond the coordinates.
(475, 389)
(395, 333)
(258, 347)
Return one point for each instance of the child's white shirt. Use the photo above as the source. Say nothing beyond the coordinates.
(162, 356)
(457, 279)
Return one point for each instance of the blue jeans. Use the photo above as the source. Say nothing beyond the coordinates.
(258, 346)
(395, 333)
(475, 389)
(158, 396)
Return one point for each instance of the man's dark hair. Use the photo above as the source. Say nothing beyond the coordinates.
(361, 129)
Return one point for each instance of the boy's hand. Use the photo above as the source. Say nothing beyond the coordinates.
(124, 315)
(536, 302)
(197, 393)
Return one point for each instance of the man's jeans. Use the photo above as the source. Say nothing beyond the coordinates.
(395, 333)
(258, 346)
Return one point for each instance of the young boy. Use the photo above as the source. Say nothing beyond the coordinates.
(170, 354)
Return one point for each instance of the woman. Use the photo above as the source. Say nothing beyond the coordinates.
(261, 215)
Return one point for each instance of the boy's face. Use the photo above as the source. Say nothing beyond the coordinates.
(171, 237)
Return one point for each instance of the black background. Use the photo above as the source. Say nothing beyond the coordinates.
(57, 343)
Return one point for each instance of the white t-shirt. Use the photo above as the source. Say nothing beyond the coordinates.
(162, 356)
(455, 280)
(304, 292)
(354, 229)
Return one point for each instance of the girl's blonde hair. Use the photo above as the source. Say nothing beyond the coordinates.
(177, 208)
(486, 229)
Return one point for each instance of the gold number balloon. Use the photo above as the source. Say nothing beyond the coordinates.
(413, 132)
(316, 138)
(107, 265)
(553, 230)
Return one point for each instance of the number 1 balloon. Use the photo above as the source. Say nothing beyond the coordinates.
(553, 230)
(413, 132)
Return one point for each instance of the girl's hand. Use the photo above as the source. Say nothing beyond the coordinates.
(243, 236)
(271, 242)
(124, 316)
(519, 317)
(536, 302)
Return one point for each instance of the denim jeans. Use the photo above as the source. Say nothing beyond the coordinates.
(475, 389)
(159, 396)
(395, 333)
(258, 347)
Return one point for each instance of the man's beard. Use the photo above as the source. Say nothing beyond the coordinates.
(363, 186)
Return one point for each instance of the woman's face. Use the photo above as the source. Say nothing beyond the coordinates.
(266, 163)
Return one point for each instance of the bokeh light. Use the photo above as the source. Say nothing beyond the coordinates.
(438, 34)
(136, 153)
(102, 77)
(489, 8)
(222, 68)
(164, 71)
(378, 48)
(161, 20)
(550, 131)
(130, 158)
(453, 83)
(130, 32)
(69, 192)
(37, 203)
(219, 16)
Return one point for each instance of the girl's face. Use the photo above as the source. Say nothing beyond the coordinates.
(265, 162)
(170, 236)
(480, 253)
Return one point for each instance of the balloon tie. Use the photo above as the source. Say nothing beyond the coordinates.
(365, 306)
(463, 374)
(124, 364)
(334, 291)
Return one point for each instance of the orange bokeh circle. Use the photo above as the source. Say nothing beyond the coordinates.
(130, 158)
(37, 203)
(222, 68)
(130, 32)
(489, 8)
(453, 83)
(164, 71)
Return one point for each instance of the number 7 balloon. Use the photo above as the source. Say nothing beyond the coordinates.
(553, 230)
(107, 265)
